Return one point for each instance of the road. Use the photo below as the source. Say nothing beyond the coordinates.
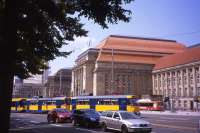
(36, 123)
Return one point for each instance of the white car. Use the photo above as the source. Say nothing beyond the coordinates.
(124, 121)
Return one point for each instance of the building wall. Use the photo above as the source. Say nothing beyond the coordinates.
(180, 83)
(83, 74)
(59, 84)
(120, 65)
(96, 78)
(127, 79)
(27, 90)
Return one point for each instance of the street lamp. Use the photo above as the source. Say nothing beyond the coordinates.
(60, 82)
(112, 72)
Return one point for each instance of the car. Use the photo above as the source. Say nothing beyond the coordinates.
(59, 115)
(124, 121)
(85, 117)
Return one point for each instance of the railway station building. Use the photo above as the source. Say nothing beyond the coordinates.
(177, 77)
(120, 65)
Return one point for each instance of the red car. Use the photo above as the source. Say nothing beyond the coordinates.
(59, 115)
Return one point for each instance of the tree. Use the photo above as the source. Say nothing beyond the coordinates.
(32, 31)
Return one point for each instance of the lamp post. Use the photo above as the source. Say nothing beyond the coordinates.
(60, 82)
(112, 72)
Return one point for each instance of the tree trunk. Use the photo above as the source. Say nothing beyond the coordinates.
(7, 61)
(6, 84)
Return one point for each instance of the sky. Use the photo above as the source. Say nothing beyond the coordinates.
(165, 19)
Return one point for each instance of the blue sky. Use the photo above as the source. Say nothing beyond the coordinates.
(167, 19)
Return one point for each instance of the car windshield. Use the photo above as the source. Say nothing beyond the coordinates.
(91, 112)
(62, 111)
(127, 115)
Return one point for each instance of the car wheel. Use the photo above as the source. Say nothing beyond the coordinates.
(86, 124)
(74, 122)
(124, 129)
(57, 120)
(104, 127)
(54, 120)
(48, 119)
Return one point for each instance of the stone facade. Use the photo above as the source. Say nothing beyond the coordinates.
(177, 78)
(180, 83)
(127, 79)
(30, 87)
(82, 73)
(59, 84)
(120, 65)
(28, 90)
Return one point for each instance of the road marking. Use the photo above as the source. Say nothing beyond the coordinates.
(162, 120)
(27, 128)
(35, 122)
(174, 118)
(56, 125)
(83, 129)
(176, 127)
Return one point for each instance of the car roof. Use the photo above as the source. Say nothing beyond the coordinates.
(85, 109)
(119, 111)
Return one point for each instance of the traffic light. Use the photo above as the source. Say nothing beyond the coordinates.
(196, 99)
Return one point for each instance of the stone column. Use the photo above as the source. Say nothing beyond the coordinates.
(194, 81)
(194, 85)
(165, 86)
(171, 91)
(95, 84)
(84, 77)
(188, 81)
(162, 85)
(182, 88)
(72, 84)
(181, 83)
(188, 86)
(176, 87)
(153, 78)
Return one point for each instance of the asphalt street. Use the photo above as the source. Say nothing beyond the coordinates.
(37, 123)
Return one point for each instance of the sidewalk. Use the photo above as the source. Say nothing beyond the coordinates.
(184, 113)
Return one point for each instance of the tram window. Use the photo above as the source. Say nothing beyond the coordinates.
(101, 102)
(48, 103)
(114, 102)
(124, 101)
(132, 102)
(68, 101)
(33, 103)
(145, 104)
(83, 102)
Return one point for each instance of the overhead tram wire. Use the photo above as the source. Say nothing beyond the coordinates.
(172, 35)
(180, 34)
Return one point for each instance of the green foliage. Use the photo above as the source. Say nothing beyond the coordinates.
(43, 26)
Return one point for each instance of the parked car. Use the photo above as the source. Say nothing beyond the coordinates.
(85, 117)
(59, 115)
(124, 121)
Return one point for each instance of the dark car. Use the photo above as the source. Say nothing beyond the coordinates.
(59, 115)
(85, 117)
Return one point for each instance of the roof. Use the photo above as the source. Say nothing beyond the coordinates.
(136, 49)
(141, 44)
(195, 45)
(188, 56)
